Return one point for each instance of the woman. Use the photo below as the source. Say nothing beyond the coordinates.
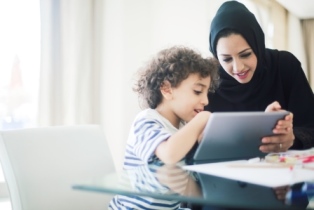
(253, 77)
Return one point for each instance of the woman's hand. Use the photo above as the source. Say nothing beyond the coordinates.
(284, 137)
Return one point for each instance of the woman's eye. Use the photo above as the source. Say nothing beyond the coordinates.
(197, 92)
(227, 59)
(246, 55)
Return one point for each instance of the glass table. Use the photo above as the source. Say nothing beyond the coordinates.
(174, 185)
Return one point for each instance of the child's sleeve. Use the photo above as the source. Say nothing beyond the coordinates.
(147, 135)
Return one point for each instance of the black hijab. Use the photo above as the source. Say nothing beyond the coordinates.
(242, 97)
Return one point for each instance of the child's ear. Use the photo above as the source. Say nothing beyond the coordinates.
(166, 90)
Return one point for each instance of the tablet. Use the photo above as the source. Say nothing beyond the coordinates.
(235, 135)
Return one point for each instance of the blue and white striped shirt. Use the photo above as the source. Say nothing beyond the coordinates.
(148, 130)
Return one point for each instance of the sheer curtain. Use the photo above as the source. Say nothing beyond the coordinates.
(308, 32)
(295, 35)
(70, 62)
(283, 30)
(296, 41)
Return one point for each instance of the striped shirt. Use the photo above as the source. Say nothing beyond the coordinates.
(148, 130)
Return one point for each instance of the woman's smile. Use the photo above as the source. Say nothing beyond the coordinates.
(242, 75)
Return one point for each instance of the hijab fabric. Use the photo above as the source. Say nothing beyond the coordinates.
(235, 16)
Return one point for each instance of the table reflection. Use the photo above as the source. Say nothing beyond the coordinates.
(243, 195)
(166, 180)
(161, 186)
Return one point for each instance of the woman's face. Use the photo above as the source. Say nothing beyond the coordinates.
(236, 57)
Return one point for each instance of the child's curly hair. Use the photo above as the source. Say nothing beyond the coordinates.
(173, 65)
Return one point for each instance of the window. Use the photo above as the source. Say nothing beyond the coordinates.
(19, 64)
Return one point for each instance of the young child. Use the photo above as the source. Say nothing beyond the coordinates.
(174, 86)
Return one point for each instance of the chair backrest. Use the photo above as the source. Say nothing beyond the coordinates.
(41, 165)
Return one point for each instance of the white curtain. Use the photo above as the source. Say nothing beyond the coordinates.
(278, 25)
(308, 32)
(296, 41)
(283, 31)
(70, 62)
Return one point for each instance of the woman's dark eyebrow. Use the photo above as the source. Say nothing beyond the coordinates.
(238, 53)
(244, 50)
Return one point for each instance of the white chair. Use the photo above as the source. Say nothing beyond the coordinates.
(41, 165)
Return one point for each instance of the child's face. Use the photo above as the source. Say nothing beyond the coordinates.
(190, 97)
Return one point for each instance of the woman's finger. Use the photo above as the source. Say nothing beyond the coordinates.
(267, 148)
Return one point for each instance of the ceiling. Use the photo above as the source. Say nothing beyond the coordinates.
(303, 9)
